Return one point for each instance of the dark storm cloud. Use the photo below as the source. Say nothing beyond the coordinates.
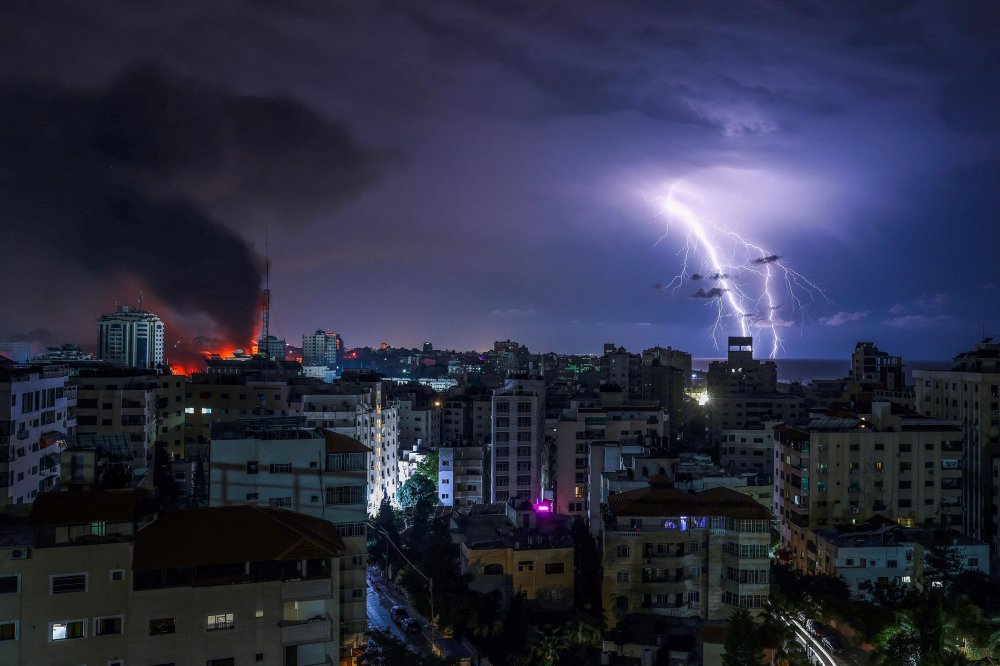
(830, 132)
(130, 184)
(697, 276)
(714, 292)
(769, 259)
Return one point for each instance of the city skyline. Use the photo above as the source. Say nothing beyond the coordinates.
(462, 174)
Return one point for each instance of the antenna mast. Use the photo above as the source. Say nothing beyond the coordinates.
(266, 301)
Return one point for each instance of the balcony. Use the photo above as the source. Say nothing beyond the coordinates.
(318, 629)
(301, 590)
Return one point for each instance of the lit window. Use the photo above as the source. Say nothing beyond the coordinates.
(220, 621)
(189, 410)
(63, 631)
(206, 410)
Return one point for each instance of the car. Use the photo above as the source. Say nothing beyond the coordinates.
(398, 613)
(411, 626)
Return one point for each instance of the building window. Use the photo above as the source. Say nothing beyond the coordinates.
(622, 577)
(279, 502)
(622, 551)
(493, 570)
(220, 621)
(555, 568)
(252, 467)
(345, 495)
(68, 583)
(10, 584)
(68, 630)
(252, 497)
(974, 562)
(351, 529)
(117, 574)
(281, 468)
(8, 631)
(526, 565)
(163, 625)
(105, 626)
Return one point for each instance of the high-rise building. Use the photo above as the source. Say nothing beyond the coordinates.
(322, 348)
(970, 393)
(518, 438)
(461, 482)
(743, 392)
(36, 415)
(130, 337)
(270, 346)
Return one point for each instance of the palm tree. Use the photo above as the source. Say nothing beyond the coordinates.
(550, 644)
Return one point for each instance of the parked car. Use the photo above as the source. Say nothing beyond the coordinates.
(411, 626)
(398, 613)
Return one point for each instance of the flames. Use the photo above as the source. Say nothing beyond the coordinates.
(188, 357)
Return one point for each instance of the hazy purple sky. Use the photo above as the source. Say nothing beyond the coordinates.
(463, 171)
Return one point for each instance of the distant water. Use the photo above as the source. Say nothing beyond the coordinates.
(806, 370)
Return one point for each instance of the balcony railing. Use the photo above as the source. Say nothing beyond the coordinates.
(314, 630)
(300, 590)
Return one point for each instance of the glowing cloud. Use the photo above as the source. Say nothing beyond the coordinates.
(752, 281)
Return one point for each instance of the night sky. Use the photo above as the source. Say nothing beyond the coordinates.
(461, 172)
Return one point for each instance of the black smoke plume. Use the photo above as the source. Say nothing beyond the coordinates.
(770, 259)
(147, 184)
(714, 292)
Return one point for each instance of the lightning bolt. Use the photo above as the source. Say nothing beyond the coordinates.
(748, 278)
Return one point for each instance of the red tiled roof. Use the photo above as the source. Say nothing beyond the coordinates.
(230, 534)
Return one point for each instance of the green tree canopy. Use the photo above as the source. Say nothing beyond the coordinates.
(742, 646)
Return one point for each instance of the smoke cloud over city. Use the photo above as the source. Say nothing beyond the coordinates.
(159, 184)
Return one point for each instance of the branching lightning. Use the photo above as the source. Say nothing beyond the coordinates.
(744, 281)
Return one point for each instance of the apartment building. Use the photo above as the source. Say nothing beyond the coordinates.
(37, 413)
(970, 393)
(461, 478)
(743, 392)
(518, 551)
(467, 419)
(518, 436)
(844, 470)
(314, 472)
(358, 409)
(100, 578)
(882, 553)
(748, 450)
(583, 433)
(684, 555)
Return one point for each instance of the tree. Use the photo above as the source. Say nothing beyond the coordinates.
(742, 646)
(386, 530)
(549, 644)
(943, 563)
(418, 497)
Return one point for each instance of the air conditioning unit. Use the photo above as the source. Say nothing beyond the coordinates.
(20, 553)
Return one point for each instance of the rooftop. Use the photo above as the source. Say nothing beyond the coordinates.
(77, 507)
(660, 499)
(226, 535)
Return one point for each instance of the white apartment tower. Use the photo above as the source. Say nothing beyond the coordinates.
(130, 337)
(518, 438)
